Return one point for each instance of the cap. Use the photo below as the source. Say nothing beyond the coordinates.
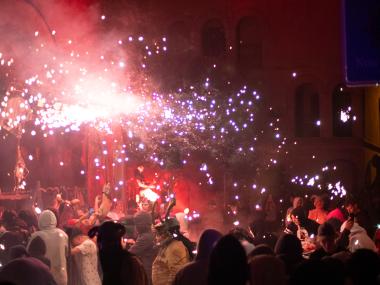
(110, 231)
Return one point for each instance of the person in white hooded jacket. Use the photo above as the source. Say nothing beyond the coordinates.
(56, 242)
(358, 238)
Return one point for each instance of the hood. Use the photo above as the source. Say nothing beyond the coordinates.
(356, 229)
(288, 245)
(206, 243)
(360, 239)
(47, 220)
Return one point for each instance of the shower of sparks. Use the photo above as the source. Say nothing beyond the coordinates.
(75, 89)
(346, 115)
(336, 189)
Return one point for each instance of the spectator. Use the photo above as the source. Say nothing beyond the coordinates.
(319, 214)
(363, 267)
(312, 272)
(116, 212)
(228, 263)
(27, 270)
(270, 211)
(85, 255)
(267, 270)
(301, 225)
(360, 216)
(327, 242)
(358, 238)
(56, 242)
(337, 212)
(18, 251)
(196, 272)
(143, 248)
(37, 249)
(261, 249)
(118, 265)
(93, 233)
(172, 256)
(13, 224)
(30, 220)
(297, 202)
(7, 241)
(103, 204)
(244, 238)
(336, 269)
(175, 231)
(289, 249)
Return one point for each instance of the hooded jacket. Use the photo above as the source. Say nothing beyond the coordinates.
(360, 239)
(56, 242)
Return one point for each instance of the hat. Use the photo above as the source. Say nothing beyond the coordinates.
(110, 231)
(326, 230)
(172, 223)
(143, 218)
(161, 228)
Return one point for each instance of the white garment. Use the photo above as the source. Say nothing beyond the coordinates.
(248, 247)
(183, 224)
(56, 242)
(358, 238)
(87, 263)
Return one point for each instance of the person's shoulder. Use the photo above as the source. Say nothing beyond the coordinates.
(41, 234)
(61, 233)
(147, 237)
(176, 245)
(318, 254)
(131, 258)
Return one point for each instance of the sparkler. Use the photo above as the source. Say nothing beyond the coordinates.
(336, 189)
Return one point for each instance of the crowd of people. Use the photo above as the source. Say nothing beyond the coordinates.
(61, 247)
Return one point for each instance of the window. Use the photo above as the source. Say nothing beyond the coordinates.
(307, 111)
(213, 38)
(341, 108)
(249, 43)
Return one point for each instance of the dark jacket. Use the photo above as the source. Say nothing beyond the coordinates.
(196, 272)
(26, 270)
(122, 268)
(320, 253)
(145, 250)
(289, 249)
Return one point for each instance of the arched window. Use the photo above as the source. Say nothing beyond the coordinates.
(341, 112)
(249, 43)
(307, 111)
(213, 38)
